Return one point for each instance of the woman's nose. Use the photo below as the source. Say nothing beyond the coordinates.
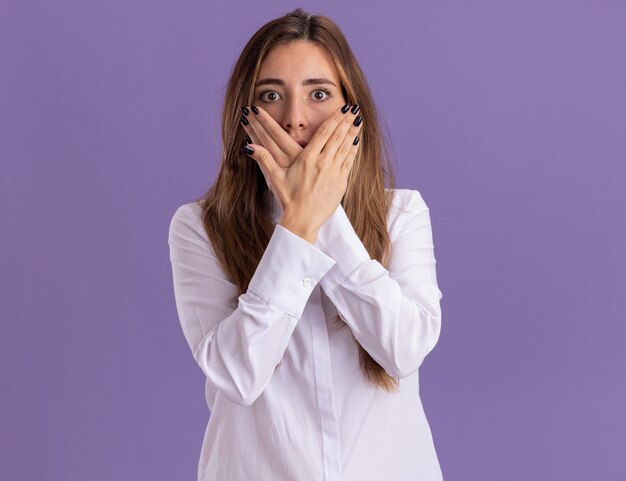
(294, 115)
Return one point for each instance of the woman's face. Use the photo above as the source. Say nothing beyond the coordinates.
(298, 86)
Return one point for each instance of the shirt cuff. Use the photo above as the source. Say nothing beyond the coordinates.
(289, 270)
(338, 239)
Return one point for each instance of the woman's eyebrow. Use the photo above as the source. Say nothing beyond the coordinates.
(309, 81)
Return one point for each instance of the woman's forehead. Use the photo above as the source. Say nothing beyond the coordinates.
(298, 60)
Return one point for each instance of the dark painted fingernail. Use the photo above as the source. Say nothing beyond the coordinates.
(244, 120)
(248, 150)
(345, 108)
(248, 139)
(358, 121)
(355, 108)
(245, 111)
(356, 140)
(254, 109)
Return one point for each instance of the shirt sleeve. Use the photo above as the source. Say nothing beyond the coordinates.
(395, 314)
(239, 340)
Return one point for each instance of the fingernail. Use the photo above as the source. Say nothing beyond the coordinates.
(248, 139)
(245, 111)
(254, 109)
(247, 149)
(244, 120)
(355, 108)
(356, 140)
(358, 121)
(345, 108)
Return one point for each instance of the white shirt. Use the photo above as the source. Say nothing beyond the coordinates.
(283, 384)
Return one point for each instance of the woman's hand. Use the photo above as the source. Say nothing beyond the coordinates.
(313, 184)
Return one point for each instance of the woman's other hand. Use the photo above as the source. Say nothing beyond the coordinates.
(308, 182)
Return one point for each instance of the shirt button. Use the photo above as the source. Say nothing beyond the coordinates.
(306, 282)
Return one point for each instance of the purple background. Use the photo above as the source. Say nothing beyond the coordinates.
(508, 118)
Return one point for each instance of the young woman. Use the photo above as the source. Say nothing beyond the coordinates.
(305, 288)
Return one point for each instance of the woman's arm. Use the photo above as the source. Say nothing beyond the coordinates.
(395, 314)
(239, 340)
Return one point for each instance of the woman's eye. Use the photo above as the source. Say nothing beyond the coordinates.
(321, 91)
(271, 96)
(268, 99)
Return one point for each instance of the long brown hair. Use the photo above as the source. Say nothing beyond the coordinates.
(236, 209)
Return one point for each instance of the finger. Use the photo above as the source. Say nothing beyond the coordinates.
(252, 136)
(346, 165)
(325, 130)
(339, 142)
(261, 167)
(352, 135)
(247, 140)
(271, 135)
(284, 141)
(263, 158)
(257, 133)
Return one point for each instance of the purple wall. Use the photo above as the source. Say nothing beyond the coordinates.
(509, 119)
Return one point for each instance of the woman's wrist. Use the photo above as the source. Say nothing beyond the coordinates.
(296, 224)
